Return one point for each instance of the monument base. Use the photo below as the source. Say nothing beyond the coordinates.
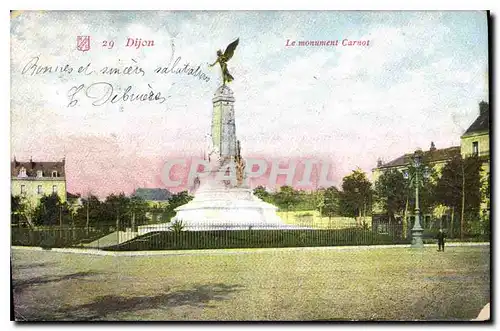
(224, 208)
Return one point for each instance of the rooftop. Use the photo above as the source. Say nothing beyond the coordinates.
(32, 167)
(482, 122)
(430, 156)
(152, 194)
(72, 196)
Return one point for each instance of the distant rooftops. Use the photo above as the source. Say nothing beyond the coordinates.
(72, 196)
(152, 194)
(431, 156)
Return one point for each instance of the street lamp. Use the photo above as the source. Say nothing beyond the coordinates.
(417, 230)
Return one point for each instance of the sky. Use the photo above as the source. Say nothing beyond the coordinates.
(419, 80)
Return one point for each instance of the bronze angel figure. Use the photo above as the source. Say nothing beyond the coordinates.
(223, 58)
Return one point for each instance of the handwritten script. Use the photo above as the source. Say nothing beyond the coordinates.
(101, 92)
(104, 92)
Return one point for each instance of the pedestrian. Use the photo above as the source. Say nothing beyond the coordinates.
(440, 237)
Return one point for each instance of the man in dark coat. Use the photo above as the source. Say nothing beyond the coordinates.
(440, 237)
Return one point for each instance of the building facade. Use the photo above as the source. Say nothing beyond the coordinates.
(33, 179)
(474, 142)
(476, 139)
(433, 158)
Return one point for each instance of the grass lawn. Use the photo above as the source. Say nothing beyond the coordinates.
(308, 284)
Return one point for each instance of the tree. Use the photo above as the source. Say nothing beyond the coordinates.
(180, 199)
(15, 209)
(24, 208)
(64, 213)
(485, 197)
(286, 197)
(308, 200)
(261, 193)
(48, 210)
(136, 207)
(117, 206)
(317, 199)
(485, 191)
(175, 201)
(331, 205)
(459, 188)
(73, 209)
(356, 196)
(90, 214)
(391, 191)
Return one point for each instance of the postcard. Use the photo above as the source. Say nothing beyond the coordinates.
(250, 166)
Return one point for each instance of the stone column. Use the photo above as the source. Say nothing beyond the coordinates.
(223, 123)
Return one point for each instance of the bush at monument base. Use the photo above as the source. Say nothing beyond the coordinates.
(166, 240)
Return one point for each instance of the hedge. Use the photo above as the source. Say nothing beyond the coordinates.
(168, 240)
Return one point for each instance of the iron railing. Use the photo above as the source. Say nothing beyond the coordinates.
(177, 236)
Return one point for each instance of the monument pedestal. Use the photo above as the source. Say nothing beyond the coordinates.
(217, 207)
(228, 208)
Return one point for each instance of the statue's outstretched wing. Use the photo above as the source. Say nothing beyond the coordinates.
(228, 53)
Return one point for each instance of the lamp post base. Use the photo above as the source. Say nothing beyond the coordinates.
(416, 238)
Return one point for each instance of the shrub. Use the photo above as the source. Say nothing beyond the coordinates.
(254, 239)
(177, 226)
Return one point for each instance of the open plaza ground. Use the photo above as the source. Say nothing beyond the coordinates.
(355, 283)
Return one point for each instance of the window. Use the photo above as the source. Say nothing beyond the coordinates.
(23, 189)
(54, 188)
(39, 189)
(22, 172)
(54, 173)
(39, 173)
(475, 148)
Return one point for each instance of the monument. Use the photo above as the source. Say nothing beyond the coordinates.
(220, 203)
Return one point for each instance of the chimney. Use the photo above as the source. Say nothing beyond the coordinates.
(433, 147)
(379, 163)
(483, 107)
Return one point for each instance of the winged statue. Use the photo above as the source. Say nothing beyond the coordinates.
(222, 60)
